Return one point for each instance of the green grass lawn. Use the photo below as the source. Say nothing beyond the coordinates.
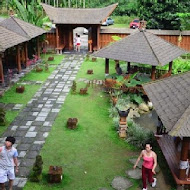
(11, 96)
(57, 58)
(98, 69)
(10, 116)
(42, 76)
(119, 26)
(94, 147)
(91, 155)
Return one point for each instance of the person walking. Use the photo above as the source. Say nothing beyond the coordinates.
(148, 166)
(78, 43)
(8, 159)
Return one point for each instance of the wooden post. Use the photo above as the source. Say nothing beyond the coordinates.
(184, 158)
(57, 36)
(1, 70)
(153, 73)
(170, 68)
(107, 66)
(26, 53)
(18, 58)
(128, 67)
(70, 38)
(98, 37)
(38, 47)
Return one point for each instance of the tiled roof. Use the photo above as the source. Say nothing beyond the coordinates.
(141, 47)
(14, 31)
(78, 16)
(171, 100)
(22, 28)
(9, 39)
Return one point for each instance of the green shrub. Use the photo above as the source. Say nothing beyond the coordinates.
(36, 174)
(122, 19)
(137, 135)
(2, 117)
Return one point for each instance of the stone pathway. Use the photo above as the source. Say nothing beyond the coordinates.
(32, 126)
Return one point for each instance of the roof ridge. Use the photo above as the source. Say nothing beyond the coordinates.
(151, 48)
(20, 27)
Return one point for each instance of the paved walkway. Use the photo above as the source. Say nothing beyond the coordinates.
(32, 126)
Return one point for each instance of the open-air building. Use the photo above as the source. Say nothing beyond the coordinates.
(171, 100)
(67, 19)
(19, 40)
(141, 47)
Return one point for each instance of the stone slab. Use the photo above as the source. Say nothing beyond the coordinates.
(121, 183)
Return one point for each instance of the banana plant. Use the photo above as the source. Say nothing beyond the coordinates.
(32, 13)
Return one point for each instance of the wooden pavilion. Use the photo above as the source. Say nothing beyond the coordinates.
(141, 47)
(67, 19)
(171, 100)
(15, 38)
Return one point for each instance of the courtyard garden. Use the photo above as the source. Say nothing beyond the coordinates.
(92, 154)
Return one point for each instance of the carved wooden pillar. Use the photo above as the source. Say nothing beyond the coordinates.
(26, 53)
(128, 67)
(98, 37)
(57, 36)
(70, 38)
(18, 58)
(184, 158)
(107, 66)
(38, 47)
(153, 73)
(1, 69)
(170, 67)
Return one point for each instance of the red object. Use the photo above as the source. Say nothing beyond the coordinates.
(135, 23)
(148, 162)
(147, 173)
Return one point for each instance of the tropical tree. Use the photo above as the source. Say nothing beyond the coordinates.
(31, 12)
(161, 15)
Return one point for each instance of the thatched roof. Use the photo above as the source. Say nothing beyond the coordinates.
(141, 47)
(22, 28)
(14, 31)
(171, 100)
(9, 39)
(78, 15)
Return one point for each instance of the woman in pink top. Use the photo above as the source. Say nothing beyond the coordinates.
(149, 165)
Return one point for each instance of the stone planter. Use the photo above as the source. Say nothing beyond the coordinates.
(83, 91)
(20, 89)
(50, 58)
(38, 69)
(55, 174)
(90, 71)
(94, 59)
(72, 123)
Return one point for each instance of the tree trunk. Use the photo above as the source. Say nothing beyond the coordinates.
(83, 3)
(69, 3)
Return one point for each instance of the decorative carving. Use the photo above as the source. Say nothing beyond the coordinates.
(72, 123)
(55, 174)
(90, 71)
(20, 89)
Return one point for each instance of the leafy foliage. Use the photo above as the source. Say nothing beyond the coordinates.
(32, 13)
(137, 135)
(161, 15)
